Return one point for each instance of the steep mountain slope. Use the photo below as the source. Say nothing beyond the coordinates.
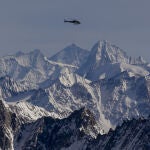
(28, 112)
(72, 55)
(16, 94)
(9, 124)
(77, 131)
(121, 92)
(10, 88)
(106, 60)
(12, 117)
(130, 135)
(49, 133)
(111, 100)
(30, 68)
(124, 97)
(68, 93)
(113, 86)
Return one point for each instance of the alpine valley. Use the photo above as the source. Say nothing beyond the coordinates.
(75, 100)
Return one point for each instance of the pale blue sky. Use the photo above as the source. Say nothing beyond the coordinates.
(38, 24)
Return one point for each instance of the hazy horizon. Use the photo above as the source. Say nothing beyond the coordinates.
(35, 24)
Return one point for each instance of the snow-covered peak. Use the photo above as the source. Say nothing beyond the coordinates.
(31, 59)
(107, 60)
(73, 46)
(33, 52)
(104, 52)
(141, 60)
(29, 67)
(72, 54)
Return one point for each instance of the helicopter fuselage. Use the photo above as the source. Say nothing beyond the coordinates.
(73, 21)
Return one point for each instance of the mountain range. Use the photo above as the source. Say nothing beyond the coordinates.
(73, 98)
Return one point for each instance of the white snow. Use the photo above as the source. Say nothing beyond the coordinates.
(136, 70)
(73, 87)
(29, 112)
(60, 64)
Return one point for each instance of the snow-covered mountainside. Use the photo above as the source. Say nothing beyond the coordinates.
(11, 88)
(49, 133)
(112, 85)
(106, 60)
(77, 131)
(28, 112)
(46, 132)
(72, 55)
(117, 87)
(133, 134)
(30, 68)
(9, 124)
(111, 100)
(13, 117)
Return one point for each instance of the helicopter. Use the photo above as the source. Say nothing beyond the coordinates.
(74, 21)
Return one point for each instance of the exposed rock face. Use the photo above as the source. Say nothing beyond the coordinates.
(49, 133)
(9, 124)
(106, 60)
(30, 68)
(10, 88)
(133, 134)
(78, 131)
(38, 89)
(116, 87)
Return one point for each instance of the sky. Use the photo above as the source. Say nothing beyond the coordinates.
(39, 24)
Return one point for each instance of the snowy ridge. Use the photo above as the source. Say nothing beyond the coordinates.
(28, 112)
(72, 55)
(68, 78)
(105, 52)
(56, 134)
(136, 70)
(30, 68)
(113, 86)
(125, 95)
(106, 60)
(10, 88)
(117, 87)
(130, 135)
(77, 131)
(59, 64)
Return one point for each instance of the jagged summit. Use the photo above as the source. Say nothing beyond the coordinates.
(33, 52)
(111, 85)
(55, 133)
(132, 134)
(36, 52)
(104, 52)
(29, 59)
(106, 60)
(73, 45)
(72, 54)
